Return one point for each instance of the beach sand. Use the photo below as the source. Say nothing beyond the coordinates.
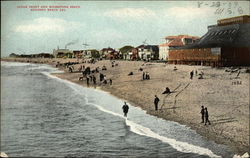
(227, 101)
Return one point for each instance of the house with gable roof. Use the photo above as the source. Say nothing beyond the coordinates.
(174, 42)
(224, 44)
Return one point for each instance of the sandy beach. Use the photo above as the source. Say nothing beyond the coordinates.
(225, 96)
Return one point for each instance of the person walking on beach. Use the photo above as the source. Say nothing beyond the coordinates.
(110, 81)
(147, 76)
(191, 75)
(125, 109)
(94, 80)
(143, 76)
(87, 80)
(91, 78)
(156, 101)
(202, 114)
(206, 117)
(70, 69)
(101, 77)
(105, 79)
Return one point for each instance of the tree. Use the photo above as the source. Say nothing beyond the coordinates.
(126, 49)
(95, 53)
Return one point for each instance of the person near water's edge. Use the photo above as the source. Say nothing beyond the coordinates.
(125, 109)
(156, 101)
(202, 114)
(206, 117)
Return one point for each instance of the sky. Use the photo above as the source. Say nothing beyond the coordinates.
(106, 23)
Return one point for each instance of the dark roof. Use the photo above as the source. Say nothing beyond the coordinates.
(140, 46)
(155, 48)
(236, 35)
(107, 49)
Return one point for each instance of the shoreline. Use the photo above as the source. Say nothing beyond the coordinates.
(229, 126)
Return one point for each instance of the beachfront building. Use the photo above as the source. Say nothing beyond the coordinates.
(134, 54)
(224, 44)
(42, 55)
(105, 51)
(39, 55)
(113, 55)
(62, 53)
(174, 42)
(13, 55)
(148, 52)
(77, 53)
(126, 52)
(91, 53)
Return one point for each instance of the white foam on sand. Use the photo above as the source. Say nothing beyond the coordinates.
(141, 130)
(10, 64)
(246, 155)
(39, 67)
(178, 145)
(3, 154)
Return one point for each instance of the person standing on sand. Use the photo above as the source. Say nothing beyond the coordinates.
(94, 80)
(87, 80)
(143, 76)
(148, 76)
(156, 101)
(105, 79)
(101, 77)
(206, 117)
(125, 109)
(191, 75)
(202, 114)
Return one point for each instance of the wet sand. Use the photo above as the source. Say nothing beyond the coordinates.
(226, 97)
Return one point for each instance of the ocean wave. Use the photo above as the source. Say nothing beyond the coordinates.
(141, 130)
(12, 64)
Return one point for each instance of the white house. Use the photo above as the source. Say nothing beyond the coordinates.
(148, 52)
(60, 53)
(163, 51)
(174, 41)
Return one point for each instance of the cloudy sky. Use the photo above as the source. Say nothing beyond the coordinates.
(106, 24)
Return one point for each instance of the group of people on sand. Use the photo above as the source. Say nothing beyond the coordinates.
(204, 115)
(113, 63)
(157, 100)
(196, 73)
(103, 79)
(204, 111)
(145, 76)
(86, 73)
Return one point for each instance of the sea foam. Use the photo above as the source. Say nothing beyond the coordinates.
(141, 130)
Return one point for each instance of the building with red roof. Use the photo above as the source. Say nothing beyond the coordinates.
(105, 51)
(173, 42)
(224, 44)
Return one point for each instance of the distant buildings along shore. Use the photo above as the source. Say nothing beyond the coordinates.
(225, 44)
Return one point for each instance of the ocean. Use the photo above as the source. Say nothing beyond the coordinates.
(42, 115)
